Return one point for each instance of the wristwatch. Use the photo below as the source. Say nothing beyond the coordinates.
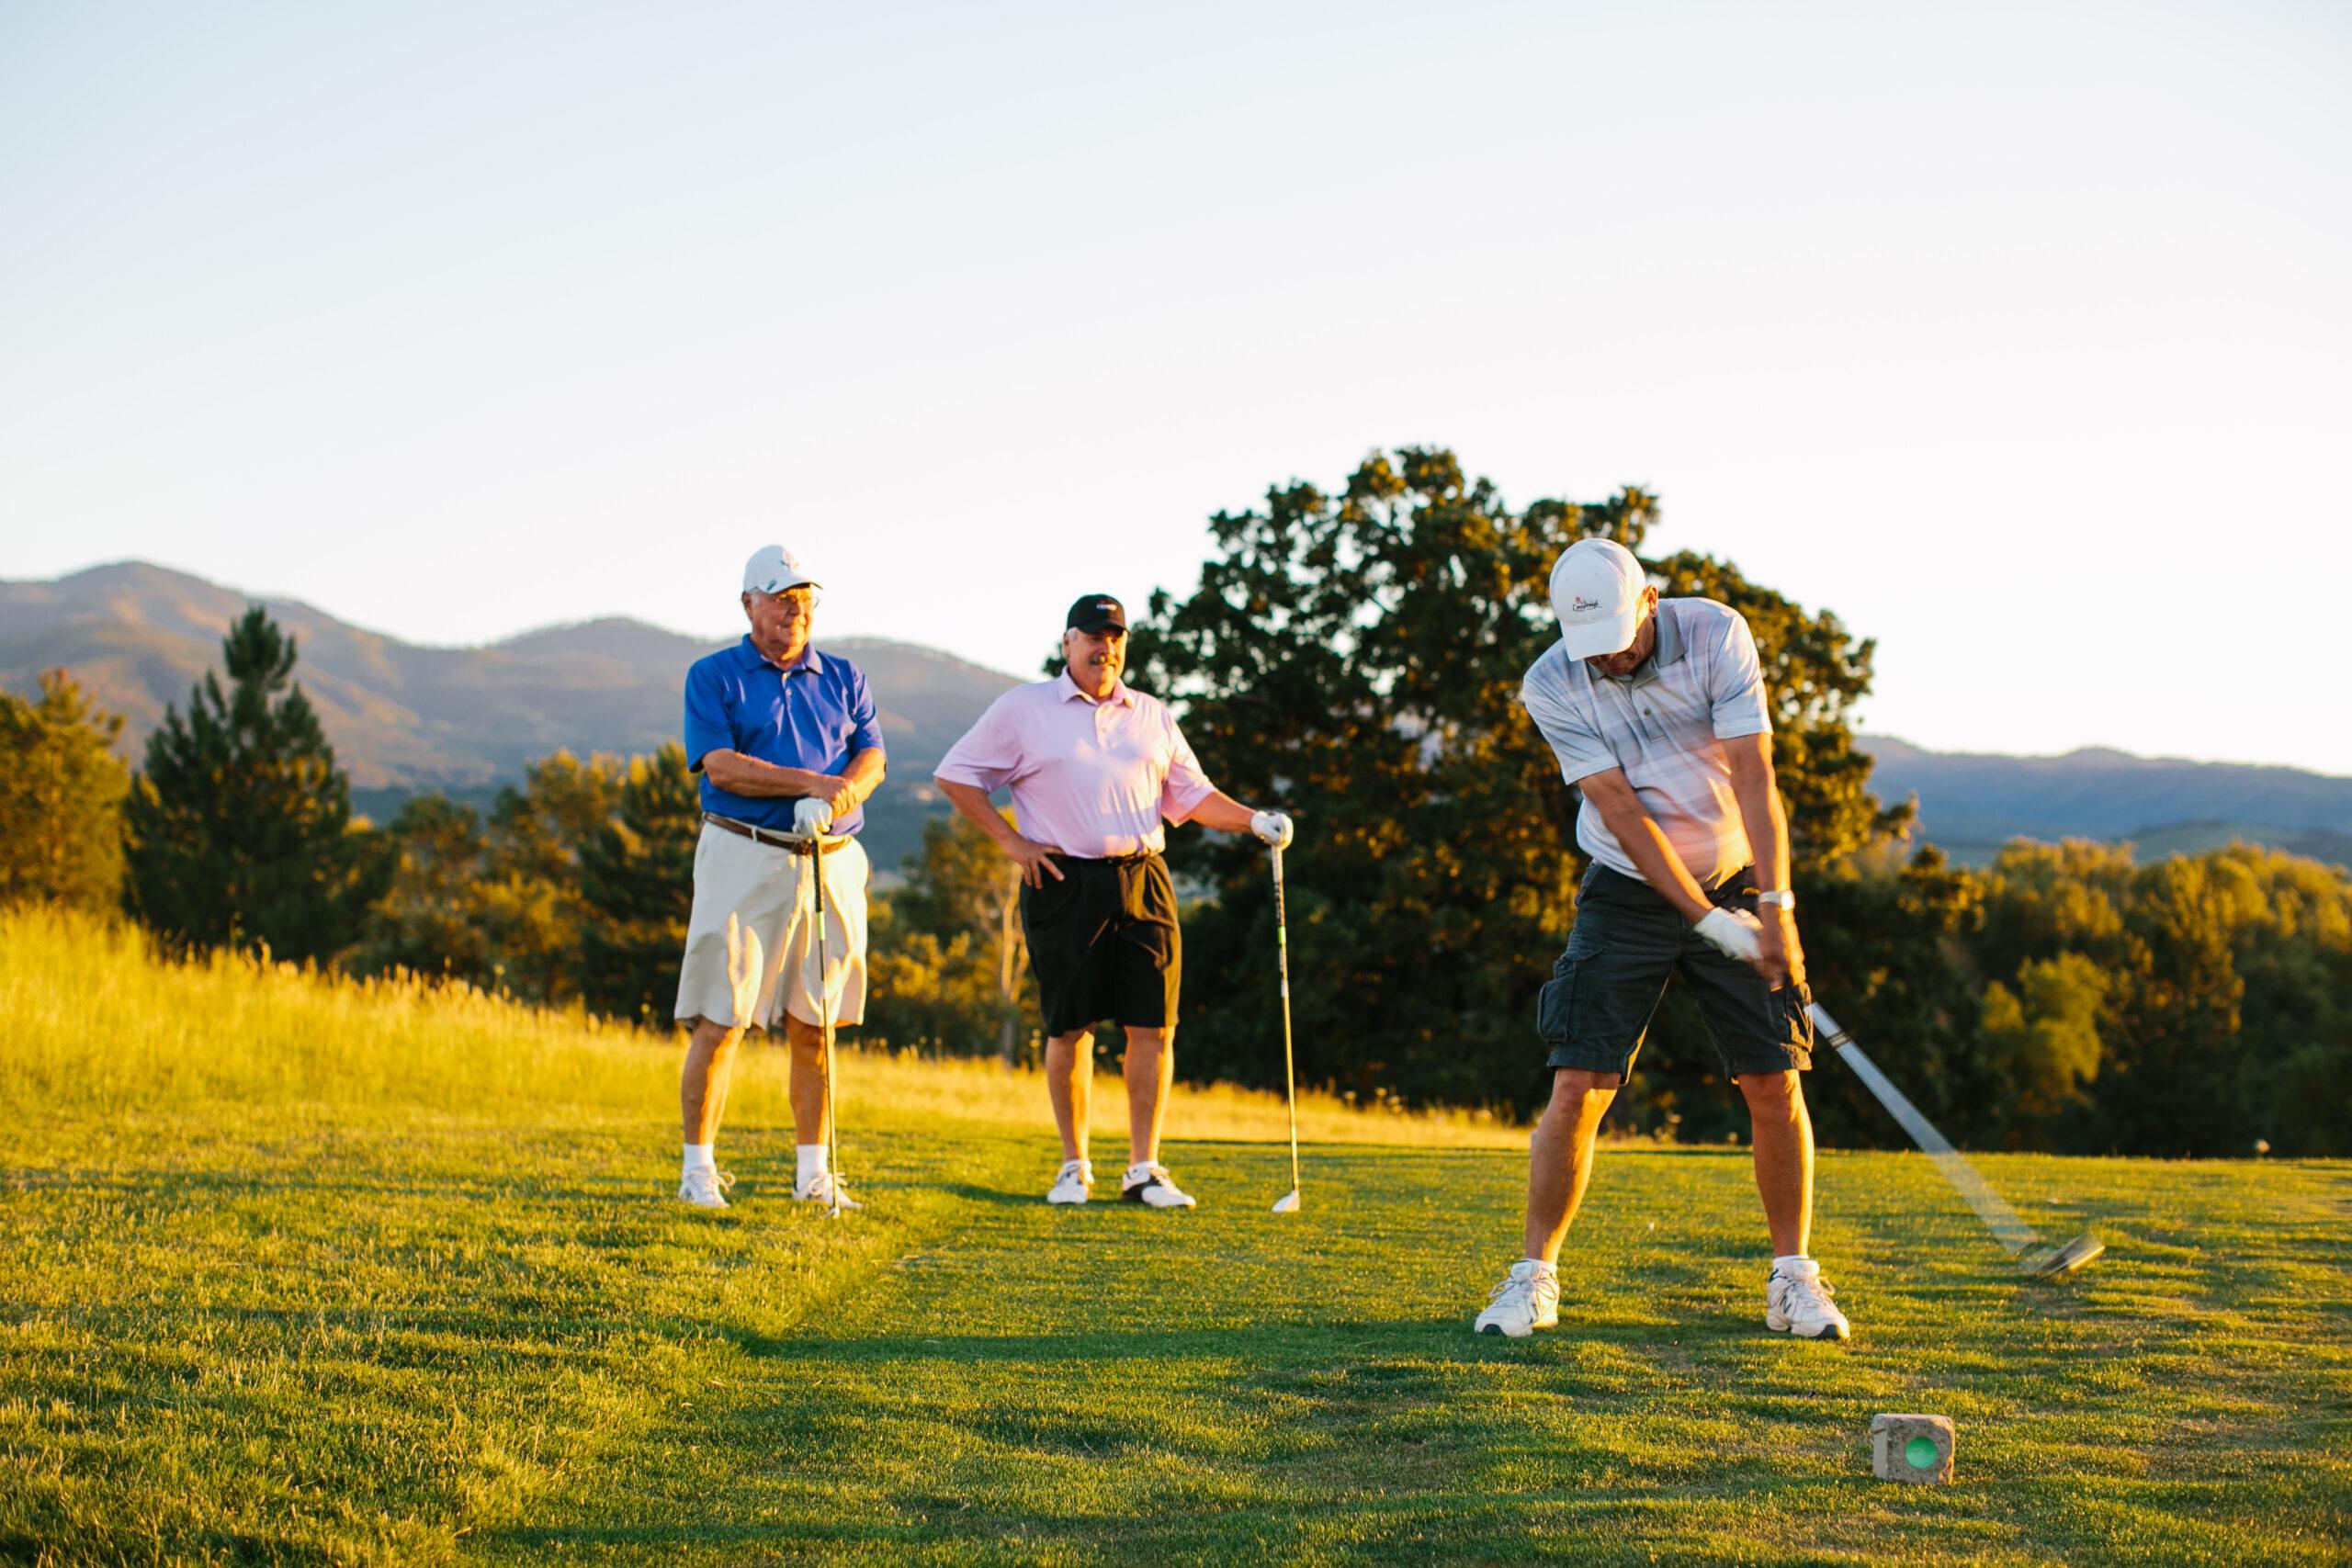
(1781, 895)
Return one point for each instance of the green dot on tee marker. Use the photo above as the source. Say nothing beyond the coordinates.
(1921, 1453)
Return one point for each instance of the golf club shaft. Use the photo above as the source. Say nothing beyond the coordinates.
(2007, 1228)
(1282, 964)
(825, 1027)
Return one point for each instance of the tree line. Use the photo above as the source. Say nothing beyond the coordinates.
(1353, 656)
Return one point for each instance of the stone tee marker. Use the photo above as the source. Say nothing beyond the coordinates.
(1912, 1448)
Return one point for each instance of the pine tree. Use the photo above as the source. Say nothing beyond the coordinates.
(430, 919)
(61, 799)
(637, 878)
(240, 827)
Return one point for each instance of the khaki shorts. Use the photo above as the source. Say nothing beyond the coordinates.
(767, 891)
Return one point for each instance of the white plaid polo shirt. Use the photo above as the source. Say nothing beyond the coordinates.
(1663, 725)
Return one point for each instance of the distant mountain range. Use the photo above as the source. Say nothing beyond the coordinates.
(1972, 804)
(465, 720)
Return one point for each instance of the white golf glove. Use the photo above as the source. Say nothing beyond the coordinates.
(810, 817)
(1273, 826)
(1731, 933)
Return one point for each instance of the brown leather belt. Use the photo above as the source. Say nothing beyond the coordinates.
(792, 844)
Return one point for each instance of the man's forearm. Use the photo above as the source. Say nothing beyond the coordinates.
(739, 775)
(863, 776)
(1768, 838)
(1221, 812)
(973, 803)
(1646, 842)
(1762, 812)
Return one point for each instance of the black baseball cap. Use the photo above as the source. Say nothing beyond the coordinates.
(1096, 612)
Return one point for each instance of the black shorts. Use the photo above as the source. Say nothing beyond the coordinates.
(1625, 942)
(1103, 943)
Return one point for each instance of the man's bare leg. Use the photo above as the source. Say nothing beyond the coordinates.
(1150, 1073)
(1560, 1156)
(1783, 1138)
(1070, 1084)
(702, 1082)
(807, 1042)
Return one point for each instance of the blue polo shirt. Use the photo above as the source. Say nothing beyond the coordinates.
(816, 714)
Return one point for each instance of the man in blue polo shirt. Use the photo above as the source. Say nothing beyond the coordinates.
(788, 747)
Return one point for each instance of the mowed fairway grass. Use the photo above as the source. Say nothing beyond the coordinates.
(297, 1270)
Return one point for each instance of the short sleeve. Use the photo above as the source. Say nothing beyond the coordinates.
(990, 754)
(706, 727)
(865, 720)
(1186, 786)
(1735, 684)
(1581, 750)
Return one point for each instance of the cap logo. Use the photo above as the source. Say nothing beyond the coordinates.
(1581, 603)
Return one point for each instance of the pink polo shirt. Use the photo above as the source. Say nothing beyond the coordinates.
(1090, 779)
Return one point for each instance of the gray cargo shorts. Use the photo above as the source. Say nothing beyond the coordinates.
(1626, 941)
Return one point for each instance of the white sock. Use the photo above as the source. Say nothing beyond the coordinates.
(1793, 1258)
(808, 1161)
(699, 1157)
(1542, 1266)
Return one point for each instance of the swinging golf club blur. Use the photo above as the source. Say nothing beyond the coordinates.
(2035, 1258)
(1289, 1201)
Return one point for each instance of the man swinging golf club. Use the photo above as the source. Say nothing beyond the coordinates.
(1094, 767)
(789, 747)
(1655, 710)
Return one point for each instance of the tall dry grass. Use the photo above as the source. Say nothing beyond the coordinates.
(94, 1022)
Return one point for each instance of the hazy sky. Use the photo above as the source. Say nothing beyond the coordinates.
(2016, 335)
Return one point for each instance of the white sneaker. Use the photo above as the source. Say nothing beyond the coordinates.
(1796, 1300)
(819, 1188)
(703, 1186)
(1151, 1185)
(1527, 1299)
(1070, 1185)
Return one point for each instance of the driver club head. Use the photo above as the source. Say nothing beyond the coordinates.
(2057, 1262)
(1288, 1203)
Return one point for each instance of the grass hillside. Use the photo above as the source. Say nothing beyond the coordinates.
(299, 1270)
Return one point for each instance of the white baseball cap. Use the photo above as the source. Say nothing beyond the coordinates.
(772, 569)
(1597, 588)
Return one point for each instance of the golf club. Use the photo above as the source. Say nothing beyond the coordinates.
(2034, 1257)
(1289, 1201)
(825, 1027)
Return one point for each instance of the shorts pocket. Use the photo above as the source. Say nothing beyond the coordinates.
(1792, 1016)
(1050, 890)
(1555, 1005)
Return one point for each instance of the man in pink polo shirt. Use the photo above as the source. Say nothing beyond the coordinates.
(1094, 766)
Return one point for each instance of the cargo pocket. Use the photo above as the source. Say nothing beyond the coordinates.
(1793, 1004)
(1556, 1004)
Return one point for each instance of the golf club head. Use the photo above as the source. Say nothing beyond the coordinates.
(1288, 1203)
(2057, 1262)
